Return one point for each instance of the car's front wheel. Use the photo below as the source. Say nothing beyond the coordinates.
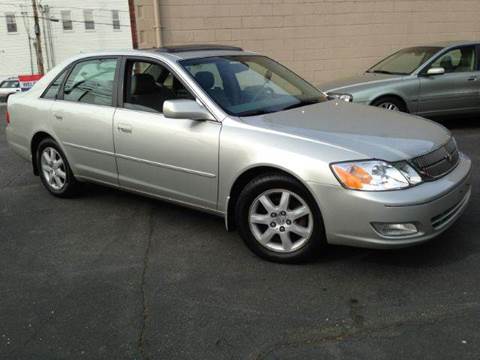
(54, 170)
(390, 103)
(279, 220)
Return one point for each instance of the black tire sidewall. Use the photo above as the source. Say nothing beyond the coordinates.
(70, 182)
(259, 185)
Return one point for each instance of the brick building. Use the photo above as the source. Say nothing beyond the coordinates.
(320, 39)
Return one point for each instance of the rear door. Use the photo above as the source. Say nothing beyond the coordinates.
(171, 158)
(455, 91)
(82, 118)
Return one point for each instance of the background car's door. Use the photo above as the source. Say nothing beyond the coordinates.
(171, 158)
(457, 90)
(82, 118)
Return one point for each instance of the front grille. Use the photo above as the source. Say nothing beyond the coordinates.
(438, 162)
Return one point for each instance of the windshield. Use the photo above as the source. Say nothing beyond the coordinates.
(245, 85)
(9, 84)
(405, 61)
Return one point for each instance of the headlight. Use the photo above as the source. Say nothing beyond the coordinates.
(375, 175)
(343, 97)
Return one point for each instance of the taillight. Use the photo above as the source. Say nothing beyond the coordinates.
(7, 118)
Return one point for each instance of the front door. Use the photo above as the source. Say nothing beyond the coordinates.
(172, 158)
(82, 118)
(457, 90)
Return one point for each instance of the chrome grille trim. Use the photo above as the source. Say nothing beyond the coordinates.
(438, 162)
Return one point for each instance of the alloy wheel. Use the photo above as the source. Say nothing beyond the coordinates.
(389, 106)
(53, 168)
(280, 220)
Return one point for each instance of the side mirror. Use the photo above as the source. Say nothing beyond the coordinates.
(436, 71)
(185, 109)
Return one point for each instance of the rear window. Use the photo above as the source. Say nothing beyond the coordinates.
(9, 84)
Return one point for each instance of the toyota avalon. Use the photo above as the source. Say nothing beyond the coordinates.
(238, 135)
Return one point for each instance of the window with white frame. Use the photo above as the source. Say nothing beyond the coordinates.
(11, 22)
(66, 20)
(116, 19)
(88, 17)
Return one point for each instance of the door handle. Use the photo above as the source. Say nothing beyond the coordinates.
(58, 117)
(125, 128)
(472, 78)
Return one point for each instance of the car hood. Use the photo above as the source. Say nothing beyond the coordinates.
(369, 132)
(359, 80)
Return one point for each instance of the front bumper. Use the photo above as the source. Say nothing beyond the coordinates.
(432, 206)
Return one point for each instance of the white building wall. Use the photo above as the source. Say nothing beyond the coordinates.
(14, 50)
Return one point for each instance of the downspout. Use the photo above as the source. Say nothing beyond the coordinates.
(158, 25)
(133, 23)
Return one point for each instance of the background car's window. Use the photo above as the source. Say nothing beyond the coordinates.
(10, 84)
(54, 87)
(148, 85)
(405, 61)
(245, 85)
(91, 82)
(457, 60)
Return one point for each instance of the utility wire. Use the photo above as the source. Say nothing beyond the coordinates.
(65, 7)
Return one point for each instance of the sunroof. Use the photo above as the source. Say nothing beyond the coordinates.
(195, 47)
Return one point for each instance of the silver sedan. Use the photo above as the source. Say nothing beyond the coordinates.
(240, 136)
(433, 80)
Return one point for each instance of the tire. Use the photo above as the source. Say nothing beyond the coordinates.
(390, 103)
(52, 165)
(280, 234)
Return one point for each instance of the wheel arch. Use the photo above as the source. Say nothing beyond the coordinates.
(36, 139)
(243, 179)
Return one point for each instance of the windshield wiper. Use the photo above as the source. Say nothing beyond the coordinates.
(386, 72)
(255, 112)
(380, 72)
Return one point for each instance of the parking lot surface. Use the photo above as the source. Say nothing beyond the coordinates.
(113, 275)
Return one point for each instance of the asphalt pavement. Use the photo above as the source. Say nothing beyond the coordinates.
(111, 275)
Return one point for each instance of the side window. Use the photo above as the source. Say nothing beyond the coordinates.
(54, 87)
(91, 82)
(148, 85)
(457, 60)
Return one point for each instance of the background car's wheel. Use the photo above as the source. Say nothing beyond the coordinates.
(279, 220)
(390, 103)
(54, 169)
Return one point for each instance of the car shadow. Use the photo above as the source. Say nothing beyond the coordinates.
(452, 246)
(461, 122)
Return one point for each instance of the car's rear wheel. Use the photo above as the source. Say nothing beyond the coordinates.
(390, 103)
(279, 220)
(54, 170)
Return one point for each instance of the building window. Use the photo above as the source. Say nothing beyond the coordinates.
(116, 20)
(89, 22)
(66, 20)
(139, 11)
(11, 23)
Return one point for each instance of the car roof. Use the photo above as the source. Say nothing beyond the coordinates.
(192, 51)
(453, 43)
(175, 53)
